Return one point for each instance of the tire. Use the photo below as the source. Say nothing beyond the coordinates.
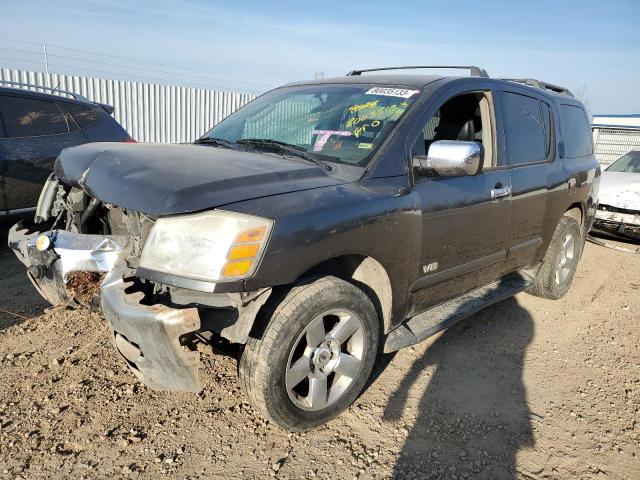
(554, 277)
(282, 372)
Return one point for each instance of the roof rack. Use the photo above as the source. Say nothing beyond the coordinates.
(532, 82)
(73, 95)
(474, 71)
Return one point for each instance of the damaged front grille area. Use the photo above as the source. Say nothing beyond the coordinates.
(611, 208)
(117, 222)
(84, 287)
(89, 257)
(73, 210)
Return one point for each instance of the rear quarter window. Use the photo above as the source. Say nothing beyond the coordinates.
(576, 132)
(28, 117)
(85, 116)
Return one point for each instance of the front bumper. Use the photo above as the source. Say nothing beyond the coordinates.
(146, 336)
(617, 223)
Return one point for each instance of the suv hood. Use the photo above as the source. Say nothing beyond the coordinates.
(165, 179)
(620, 189)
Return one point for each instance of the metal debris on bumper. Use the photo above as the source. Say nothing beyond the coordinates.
(52, 257)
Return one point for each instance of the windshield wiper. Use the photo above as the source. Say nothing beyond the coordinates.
(217, 142)
(285, 148)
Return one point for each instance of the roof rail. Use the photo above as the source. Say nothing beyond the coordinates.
(474, 71)
(73, 95)
(532, 82)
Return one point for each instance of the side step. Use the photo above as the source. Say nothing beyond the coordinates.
(442, 316)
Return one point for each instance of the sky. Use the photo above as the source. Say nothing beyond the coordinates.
(590, 47)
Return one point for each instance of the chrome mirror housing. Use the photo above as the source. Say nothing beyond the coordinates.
(449, 158)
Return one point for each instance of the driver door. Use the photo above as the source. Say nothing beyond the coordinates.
(465, 218)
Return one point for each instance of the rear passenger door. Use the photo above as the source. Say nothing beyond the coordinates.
(529, 127)
(35, 131)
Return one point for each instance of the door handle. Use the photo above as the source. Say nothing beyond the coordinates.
(500, 192)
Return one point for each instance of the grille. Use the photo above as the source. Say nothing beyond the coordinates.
(117, 222)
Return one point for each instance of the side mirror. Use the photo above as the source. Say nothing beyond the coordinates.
(449, 158)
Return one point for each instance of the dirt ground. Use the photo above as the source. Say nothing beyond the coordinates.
(526, 389)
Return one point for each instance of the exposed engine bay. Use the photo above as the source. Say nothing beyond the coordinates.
(82, 252)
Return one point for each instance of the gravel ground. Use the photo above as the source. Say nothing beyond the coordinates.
(528, 388)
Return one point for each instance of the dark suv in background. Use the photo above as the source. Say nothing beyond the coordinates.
(34, 128)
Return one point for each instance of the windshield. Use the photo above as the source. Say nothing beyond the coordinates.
(334, 123)
(629, 163)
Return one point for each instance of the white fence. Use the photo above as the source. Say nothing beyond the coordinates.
(611, 142)
(149, 112)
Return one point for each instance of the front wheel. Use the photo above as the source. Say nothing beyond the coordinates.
(560, 262)
(314, 356)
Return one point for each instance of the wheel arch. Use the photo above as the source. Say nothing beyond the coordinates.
(366, 273)
(576, 211)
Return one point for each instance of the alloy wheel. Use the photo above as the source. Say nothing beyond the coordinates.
(325, 359)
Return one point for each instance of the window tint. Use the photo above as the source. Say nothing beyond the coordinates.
(85, 116)
(26, 117)
(524, 129)
(576, 132)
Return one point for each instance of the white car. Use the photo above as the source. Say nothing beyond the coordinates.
(619, 205)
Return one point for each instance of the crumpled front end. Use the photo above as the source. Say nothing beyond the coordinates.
(618, 211)
(65, 267)
(617, 221)
(77, 269)
(83, 251)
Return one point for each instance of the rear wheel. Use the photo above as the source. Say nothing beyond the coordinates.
(560, 262)
(314, 356)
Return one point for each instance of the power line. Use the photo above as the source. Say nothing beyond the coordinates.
(181, 74)
(152, 79)
(255, 77)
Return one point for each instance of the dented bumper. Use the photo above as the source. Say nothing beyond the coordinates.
(146, 336)
(52, 258)
(618, 223)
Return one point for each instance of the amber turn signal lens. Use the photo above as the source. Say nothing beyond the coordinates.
(237, 269)
(253, 235)
(243, 251)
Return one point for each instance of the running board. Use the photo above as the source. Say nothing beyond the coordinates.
(440, 317)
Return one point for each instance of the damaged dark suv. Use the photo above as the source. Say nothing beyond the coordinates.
(318, 226)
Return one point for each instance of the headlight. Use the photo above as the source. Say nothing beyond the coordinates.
(209, 246)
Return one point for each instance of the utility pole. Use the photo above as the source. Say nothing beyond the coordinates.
(46, 60)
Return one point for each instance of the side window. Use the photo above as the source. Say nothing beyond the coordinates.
(549, 126)
(468, 117)
(85, 116)
(576, 132)
(524, 129)
(27, 117)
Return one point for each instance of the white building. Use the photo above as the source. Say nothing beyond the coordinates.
(615, 135)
